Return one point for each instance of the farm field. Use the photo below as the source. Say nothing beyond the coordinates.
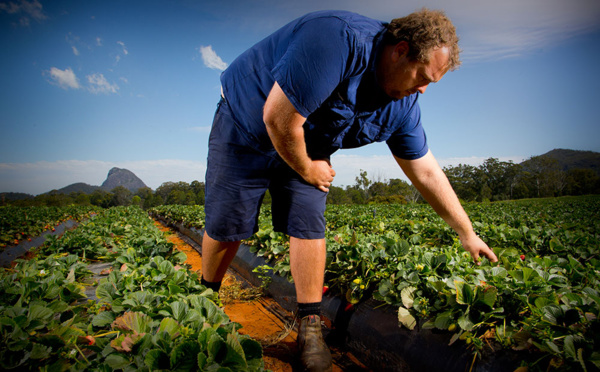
(19, 223)
(539, 301)
(113, 294)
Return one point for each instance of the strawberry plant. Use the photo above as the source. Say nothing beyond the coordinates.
(541, 298)
(150, 312)
(19, 223)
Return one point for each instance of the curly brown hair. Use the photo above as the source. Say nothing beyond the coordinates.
(424, 31)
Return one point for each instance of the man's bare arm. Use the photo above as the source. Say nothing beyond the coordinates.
(285, 127)
(427, 176)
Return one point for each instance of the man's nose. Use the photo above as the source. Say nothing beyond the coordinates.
(422, 88)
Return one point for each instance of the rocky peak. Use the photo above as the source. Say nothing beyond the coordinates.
(122, 177)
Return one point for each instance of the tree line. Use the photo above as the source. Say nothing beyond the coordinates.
(540, 176)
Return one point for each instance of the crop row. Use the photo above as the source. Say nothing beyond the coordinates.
(145, 311)
(18, 223)
(540, 299)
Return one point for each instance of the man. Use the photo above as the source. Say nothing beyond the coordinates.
(325, 81)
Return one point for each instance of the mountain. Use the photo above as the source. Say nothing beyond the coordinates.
(78, 187)
(12, 196)
(122, 177)
(574, 159)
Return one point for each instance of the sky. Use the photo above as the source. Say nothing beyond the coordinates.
(90, 85)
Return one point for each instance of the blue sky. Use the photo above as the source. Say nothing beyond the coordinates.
(89, 85)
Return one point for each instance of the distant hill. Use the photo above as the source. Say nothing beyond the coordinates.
(78, 187)
(116, 177)
(12, 196)
(122, 177)
(574, 159)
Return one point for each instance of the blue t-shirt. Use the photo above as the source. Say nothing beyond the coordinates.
(325, 64)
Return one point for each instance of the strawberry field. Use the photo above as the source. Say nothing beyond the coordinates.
(19, 223)
(112, 294)
(541, 300)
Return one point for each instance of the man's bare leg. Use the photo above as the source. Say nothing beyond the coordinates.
(216, 257)
(307, 261)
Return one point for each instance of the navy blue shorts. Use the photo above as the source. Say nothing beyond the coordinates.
(237, 177)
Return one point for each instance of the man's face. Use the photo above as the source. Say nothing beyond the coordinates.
(399, 76)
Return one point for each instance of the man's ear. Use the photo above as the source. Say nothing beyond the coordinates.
(401, 50)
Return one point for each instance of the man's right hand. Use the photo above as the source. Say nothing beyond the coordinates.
(320, 174)
(285, 128)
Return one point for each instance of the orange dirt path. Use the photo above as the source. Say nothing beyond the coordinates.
(256, 317)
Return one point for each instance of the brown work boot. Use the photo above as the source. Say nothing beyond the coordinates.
(314, 353)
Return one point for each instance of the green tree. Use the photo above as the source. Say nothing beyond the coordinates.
(582, 182)
(362, 184)
(120, 196)
(544, 175)
(101, 198)
(198, 190)
(465, 180)
(337, 195)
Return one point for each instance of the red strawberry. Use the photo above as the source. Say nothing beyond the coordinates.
(522, 257)
(325, 289)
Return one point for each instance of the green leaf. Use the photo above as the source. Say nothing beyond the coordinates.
(157, 359)
(235, 353)
(103, 319)
(39, 312)
(569, 345)
(179, 310)
(499, 271)
(174, 289)
(202, 358)
(444, 320)
(464, 293)
(553, 314)
(166, 268)
(40, 351)
(465, 323)
(486, 295)
(105, 291)
(184, 357)
(406, 319)
(217, 348)
(252, 349)
(541, 302)
(58, 306)
(170, 326)
(117, 361)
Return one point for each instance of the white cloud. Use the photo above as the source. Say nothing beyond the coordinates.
(98, 41)
(75, 50)
(99, 84)
(505, 29)
(489, 30)
(63, 78)
(122, 44)
(26, 9)
(40, 177)
(211, 59)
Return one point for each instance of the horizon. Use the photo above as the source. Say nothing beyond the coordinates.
(372, 177)
(92, 85)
